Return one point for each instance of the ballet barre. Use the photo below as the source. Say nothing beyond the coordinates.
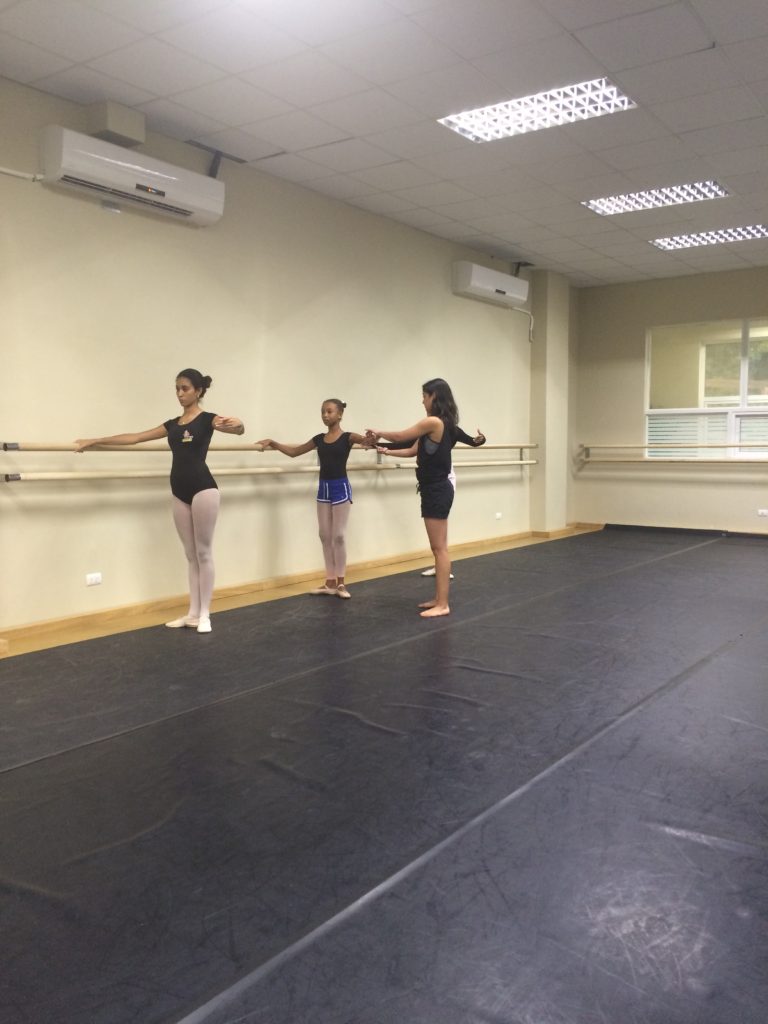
(391, 464)
(586, 457)
(149, 474)
(49, 446)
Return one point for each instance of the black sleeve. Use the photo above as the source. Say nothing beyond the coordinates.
(466, 439)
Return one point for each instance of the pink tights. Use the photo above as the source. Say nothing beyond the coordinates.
(195, 524)
(332, 521)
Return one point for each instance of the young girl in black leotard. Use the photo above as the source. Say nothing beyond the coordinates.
(334, 495)
(435, 436)
(195, 494)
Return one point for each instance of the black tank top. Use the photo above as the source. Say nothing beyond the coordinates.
(431, 468)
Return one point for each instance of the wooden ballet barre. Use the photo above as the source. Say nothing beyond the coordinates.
(155, 474)
(586, 456)
(49, 446)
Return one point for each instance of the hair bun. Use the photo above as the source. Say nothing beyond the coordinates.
(207, 382)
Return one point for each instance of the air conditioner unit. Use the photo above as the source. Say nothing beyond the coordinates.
(90, 165)
(476, 282)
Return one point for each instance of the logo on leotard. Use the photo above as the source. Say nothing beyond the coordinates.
(186, 436)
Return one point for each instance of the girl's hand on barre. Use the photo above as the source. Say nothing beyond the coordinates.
(83, 443)
(371, 436)
(265, 445)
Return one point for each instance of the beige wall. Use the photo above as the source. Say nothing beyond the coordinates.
(290, 299)
(610, 389)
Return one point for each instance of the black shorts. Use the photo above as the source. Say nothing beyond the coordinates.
(436, 499)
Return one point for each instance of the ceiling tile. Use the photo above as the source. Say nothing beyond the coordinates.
(294, 168)
(84, 85)
(677, 78)
(295, 130)
(538, 66)
(581, 13)
(178, 122)
(707, 109)
(472, 159)
(24, 62)
(730, 22)
(748, 59)
(350, 155)
(321, 23)
(449, 90)
(741, 135)
(471, 211)
(236, 41)
(645, 38)
(237, 143)
(156, 15)
(367, 112)
(649, 152)
(485, 26)
(232, 101)
(437, 194)
(740, 161)
(390, 52)
(577, 168)
(401, 174)
(419, 139)
(306, 79)
(66, 28)
(530, 198)
(613, 130)
(153, 65)
(504, 182)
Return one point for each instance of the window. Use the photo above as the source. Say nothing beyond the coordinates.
(708, 385)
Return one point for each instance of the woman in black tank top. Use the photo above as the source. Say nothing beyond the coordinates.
(435, 435)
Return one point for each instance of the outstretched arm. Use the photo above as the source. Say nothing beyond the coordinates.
(228, 425)
(475, 442)
(291, 450)
(145, 435)
(400, 453)
(428, 425)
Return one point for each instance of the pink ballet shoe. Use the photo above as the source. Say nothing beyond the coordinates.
(185, 620)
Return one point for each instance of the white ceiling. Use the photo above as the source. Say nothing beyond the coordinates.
(342, 97)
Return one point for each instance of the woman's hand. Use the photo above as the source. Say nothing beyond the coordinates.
(480, 438)
(228, 424)
(84, 443)
(265, 445)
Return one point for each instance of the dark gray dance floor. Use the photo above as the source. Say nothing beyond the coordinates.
(548, 808)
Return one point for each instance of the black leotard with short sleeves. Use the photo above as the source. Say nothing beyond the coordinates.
(333, 457)
(189, 444)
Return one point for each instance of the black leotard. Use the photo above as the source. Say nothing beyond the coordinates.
(189, 444)
(333, 456)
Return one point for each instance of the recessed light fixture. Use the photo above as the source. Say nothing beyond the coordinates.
(671, 195)
(718, 237)
(541, 110)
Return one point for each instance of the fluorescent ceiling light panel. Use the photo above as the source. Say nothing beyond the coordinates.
(671, 195)
(541, 110)
(718, 237)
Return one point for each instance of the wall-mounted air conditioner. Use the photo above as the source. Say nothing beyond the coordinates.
(476, 282)
(123, 175)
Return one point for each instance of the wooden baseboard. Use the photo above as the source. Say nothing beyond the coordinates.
(568, 531)
(68, 629)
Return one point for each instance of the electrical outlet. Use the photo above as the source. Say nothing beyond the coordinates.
(762, 511)
(92, 579)
(498, 515)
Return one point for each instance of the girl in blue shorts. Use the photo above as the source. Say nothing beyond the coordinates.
(334, 493)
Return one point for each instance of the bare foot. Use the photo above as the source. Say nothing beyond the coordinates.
(428, 604)
(435, 610)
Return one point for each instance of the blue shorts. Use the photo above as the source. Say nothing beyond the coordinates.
(334, 492)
